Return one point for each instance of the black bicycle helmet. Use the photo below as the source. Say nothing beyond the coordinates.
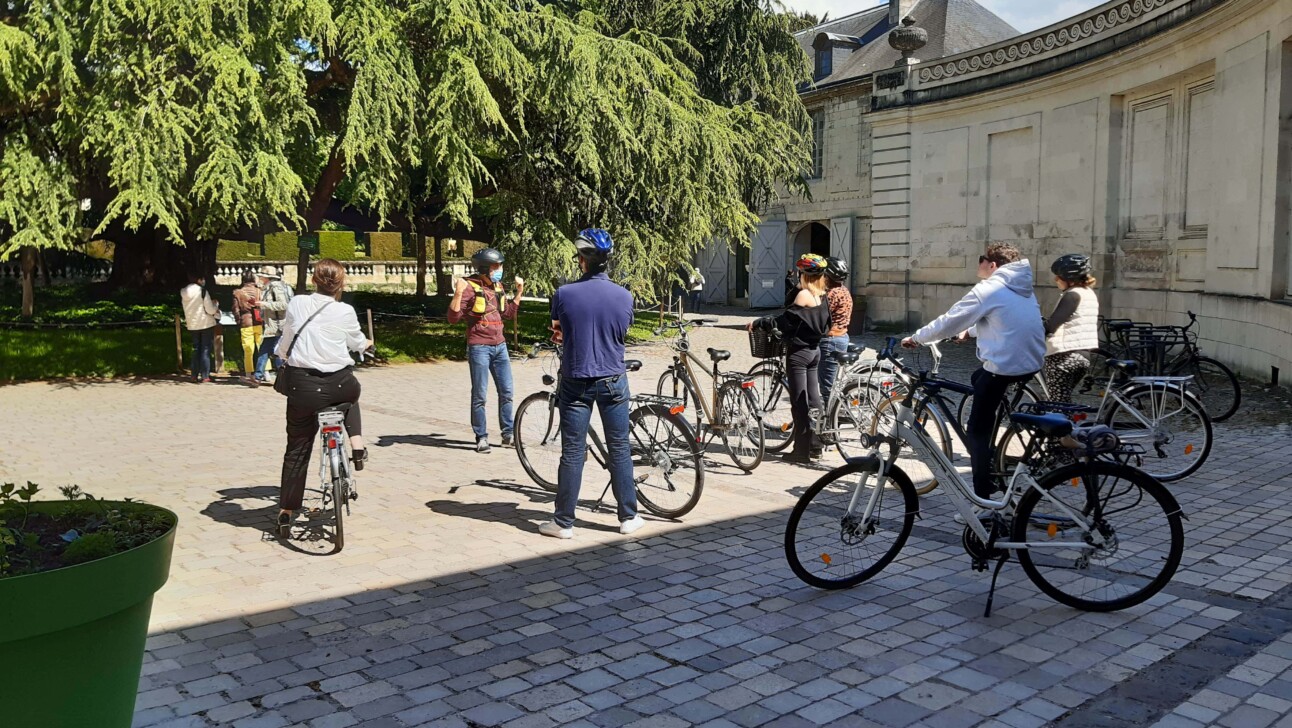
(836, 269)
(485, 259)
(1071, 267)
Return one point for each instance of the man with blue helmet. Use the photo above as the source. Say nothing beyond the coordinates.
(591, 317)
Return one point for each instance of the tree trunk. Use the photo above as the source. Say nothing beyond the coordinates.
(329, 179)
(44, 268)
(147, 260)
(441, 287)
(421, 260)
(27, 256)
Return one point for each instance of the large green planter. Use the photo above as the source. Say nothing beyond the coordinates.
(72, 639)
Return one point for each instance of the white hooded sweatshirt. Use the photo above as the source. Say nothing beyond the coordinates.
(1002, 311)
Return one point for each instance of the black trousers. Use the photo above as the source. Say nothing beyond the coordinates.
(311, 392)
(805, 394)
(984, 417)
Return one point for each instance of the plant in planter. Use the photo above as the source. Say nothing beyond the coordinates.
(77, 578)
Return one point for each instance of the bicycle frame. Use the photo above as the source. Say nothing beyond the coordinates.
(332, 433)
(903, 430)
(707, 407)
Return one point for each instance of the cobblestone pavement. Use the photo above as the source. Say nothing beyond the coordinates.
(447, 608)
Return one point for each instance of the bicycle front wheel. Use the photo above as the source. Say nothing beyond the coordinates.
(1214, 384)
(741, 426)
(848, 525)
(773, 401)
(1168, 422)
(668, 464)
(538, 438)
(1102, 536)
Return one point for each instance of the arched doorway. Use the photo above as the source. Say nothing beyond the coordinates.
(812, 238)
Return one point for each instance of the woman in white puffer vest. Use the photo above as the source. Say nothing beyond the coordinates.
(1072, 328)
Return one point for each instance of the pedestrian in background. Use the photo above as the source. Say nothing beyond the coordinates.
(274, 297)
(246, 311)
(697, 290)
(201, 314)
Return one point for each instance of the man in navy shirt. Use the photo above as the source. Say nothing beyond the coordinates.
(591, 317)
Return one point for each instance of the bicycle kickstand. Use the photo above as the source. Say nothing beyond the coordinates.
(596, 507)
(991, 593)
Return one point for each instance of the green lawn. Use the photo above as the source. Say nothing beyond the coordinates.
(107, 352)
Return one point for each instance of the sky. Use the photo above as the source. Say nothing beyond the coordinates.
(1022, 14)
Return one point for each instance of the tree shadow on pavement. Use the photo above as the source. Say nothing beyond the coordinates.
(512, 513)
(432, 440)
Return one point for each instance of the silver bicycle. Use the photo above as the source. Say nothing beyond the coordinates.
(1099, 534)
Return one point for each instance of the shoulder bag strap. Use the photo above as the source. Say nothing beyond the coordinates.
(297, 336)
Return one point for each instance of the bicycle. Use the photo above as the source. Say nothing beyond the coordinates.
(1110, 536)
(732, 413)
(338, 486)
(1157, 413)
(1215, 385)
(668, 464)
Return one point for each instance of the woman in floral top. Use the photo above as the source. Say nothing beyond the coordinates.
(840, 302)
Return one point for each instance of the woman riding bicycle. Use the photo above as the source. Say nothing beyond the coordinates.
(1072, 328)
(320, 362)
(803, 325)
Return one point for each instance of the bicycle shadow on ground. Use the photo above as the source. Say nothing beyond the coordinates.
(256, 508)
(513, 514)
(431, 440)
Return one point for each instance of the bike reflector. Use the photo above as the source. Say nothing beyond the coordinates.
(1052, 530)
(677, 409)
(825, 558)
(1188, 449)
(747, 384)
(332, 428)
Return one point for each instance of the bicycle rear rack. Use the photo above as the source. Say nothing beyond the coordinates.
(673, 404)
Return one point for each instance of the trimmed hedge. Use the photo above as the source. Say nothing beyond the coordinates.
(336, 244)
(386, 246)
(236, 250)
(281, 246)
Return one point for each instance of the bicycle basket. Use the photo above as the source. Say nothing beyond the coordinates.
(766, 344)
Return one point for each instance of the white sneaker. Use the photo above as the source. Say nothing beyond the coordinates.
(980, 513)
(551, 528)
(630, 525)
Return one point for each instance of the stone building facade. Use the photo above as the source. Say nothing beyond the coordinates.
(1154, 135)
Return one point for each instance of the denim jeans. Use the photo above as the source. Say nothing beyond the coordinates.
(264, 352)
(988, 393)
(696, 296)
(486, 360)
(829, 367)
(612, 399)
(203, 345)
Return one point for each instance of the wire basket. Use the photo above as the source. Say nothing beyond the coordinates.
(766, 344)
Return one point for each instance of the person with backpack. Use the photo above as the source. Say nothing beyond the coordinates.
(275, 294)
(246, 311)
(481, 301)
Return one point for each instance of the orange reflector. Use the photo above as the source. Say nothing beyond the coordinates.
(676, 410)
(856, 402)
(1188, 449)
(826, 559)
(786, 427)
(1052, 530)
(1076, 482)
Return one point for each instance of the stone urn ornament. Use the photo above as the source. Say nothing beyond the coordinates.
(908, 39)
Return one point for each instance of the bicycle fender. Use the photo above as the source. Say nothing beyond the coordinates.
(864, 463)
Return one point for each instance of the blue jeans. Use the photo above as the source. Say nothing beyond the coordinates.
(612, 399)
(486, 360)
(829, 367)
(203, 346)
(266, 350)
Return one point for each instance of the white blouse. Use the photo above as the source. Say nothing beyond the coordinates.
(325, 344)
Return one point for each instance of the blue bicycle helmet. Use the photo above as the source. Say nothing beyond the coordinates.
(594, 243)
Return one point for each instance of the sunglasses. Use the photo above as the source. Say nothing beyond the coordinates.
(983, 259)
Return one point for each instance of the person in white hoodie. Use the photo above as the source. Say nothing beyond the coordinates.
(1004, 315)
(201, 314)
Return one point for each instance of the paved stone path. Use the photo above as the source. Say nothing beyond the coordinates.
(447, 608)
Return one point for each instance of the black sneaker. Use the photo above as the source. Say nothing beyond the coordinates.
(506, 440)
(284, 525)
(796, 459)
(482, 445)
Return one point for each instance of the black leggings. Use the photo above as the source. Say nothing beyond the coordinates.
(311, 392)
(805, 394)
(988, 393)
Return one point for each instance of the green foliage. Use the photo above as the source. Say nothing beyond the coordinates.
(337, 245)
(80, 305)
(386, 246)
(237, 250)
(281, 246)
(41, 537)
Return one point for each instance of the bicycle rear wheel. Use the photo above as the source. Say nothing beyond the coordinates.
(831, 543)
(668, 464)
(1030, 394)
(538, 438)
(741, 426)
(848, 415)
(1128, 549)
(772, 397)
(339, 496)
(1214, 384)
(1175, 431)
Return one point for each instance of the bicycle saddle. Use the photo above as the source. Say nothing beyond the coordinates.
(1048, 425)
(1124, 365)
(718, 355)
(845, 357)
(632, 365)
(856, 348)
